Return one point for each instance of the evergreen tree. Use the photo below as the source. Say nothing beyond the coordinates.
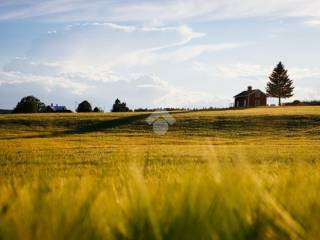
(280, 85)
(118, 106)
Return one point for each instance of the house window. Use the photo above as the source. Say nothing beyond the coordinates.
(257, 102)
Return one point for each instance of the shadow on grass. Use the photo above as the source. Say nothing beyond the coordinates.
(98, 126)
(221, 125)
(79, 127)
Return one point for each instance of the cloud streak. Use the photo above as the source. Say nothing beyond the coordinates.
(187, 33)
(156, 11)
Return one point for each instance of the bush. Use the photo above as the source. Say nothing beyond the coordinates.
(303, 103)
(29, 104)
(85, 106)
(97, 109)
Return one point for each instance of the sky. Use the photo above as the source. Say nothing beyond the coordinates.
(168, 53)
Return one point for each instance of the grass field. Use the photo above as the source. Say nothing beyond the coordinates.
(245, 174)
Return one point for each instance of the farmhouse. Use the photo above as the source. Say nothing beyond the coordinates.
(250, 98)
(57, 108)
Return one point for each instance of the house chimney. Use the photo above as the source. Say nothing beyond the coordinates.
(249, 88)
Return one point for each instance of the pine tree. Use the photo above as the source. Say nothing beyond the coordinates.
(280, 85)
(119, 106)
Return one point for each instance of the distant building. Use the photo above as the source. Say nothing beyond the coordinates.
(57, 108)
(250, 98)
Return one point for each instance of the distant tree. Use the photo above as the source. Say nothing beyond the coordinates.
(97, 109)
(29, 104)
(119, 106)
(85, 106)
(280, 85)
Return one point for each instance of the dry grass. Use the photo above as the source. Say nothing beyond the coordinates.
(248, 174)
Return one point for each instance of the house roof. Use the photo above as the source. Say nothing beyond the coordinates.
(248, 92)
(58, 108)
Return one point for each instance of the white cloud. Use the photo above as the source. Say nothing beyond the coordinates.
(306, 93)
(303, 73)
(216, 9)
(114, 45)
(143, 50)
(47, 82)
(177, 49)
(181, 54)
(232, 71)
(151, 89)
(148, 81)
(158, 11)
(28, 66)
(191, 52)
(165, 94)
(185, 98)
(240, 70)
(125, 28)
(31, 9)
(313, 23)
(52, 32)
(61, 61)
(184, 31)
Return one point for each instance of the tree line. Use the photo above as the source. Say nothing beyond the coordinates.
(31, 104)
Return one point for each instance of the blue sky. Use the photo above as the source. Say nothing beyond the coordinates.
(189, 53)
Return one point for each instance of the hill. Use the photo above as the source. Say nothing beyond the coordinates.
(236, 174)
(5, 111)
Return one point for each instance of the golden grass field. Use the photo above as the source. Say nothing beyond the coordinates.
(238, 174)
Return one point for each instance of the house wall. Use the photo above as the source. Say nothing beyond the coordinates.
(241, 102)
(264, 100)
(253, 100)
